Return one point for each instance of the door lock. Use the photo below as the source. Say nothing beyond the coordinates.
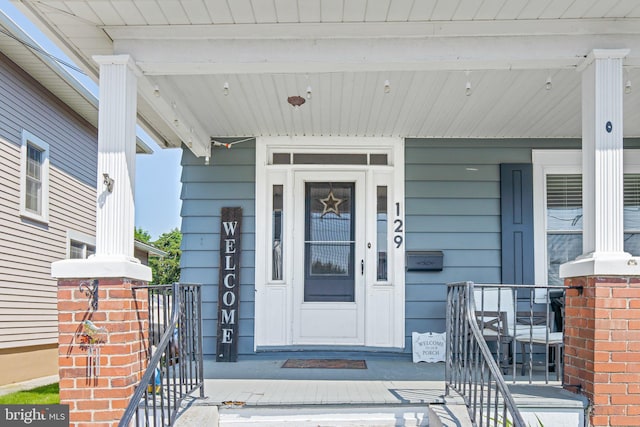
(362, 267)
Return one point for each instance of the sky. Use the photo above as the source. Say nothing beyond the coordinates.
(157, 191)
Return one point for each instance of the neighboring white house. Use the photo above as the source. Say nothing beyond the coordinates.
(48, 157)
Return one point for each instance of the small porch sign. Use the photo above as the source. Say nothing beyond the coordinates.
(429, 347)
(228, 285)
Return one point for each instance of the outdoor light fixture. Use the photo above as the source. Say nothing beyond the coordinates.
(627, 87)
(225, 88)
(156, 90)
(387, 86)
(108, 182)
(308, 92)
(548, 85)
(296, 100)
(467, 88)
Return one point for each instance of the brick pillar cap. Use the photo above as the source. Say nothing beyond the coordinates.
(618, 264)
(99, 267)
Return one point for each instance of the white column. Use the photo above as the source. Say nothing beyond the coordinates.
(602, 168)
(602, 149)
(116, 157)
(115, 214)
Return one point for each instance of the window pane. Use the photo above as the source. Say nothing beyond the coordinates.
(381, 232)
(561, 248)
(91, 250)
(631, 202)
(276, 244)
(564, 202)
(329, 259)
(281, 158)
(34, 162)
(33, 193)
(329, 159)
(33, 196)
(76, 250)
(378, 159)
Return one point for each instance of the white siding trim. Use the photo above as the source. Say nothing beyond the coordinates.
(28, 138)
(78, 236)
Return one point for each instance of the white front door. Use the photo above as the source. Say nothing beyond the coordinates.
(329, 233)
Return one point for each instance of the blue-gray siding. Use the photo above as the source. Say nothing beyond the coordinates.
(452, 199)
(448, 208)
(228, 181)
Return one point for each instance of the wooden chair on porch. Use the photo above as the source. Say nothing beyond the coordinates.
(501, 322)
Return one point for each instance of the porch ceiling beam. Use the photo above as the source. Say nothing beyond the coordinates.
(176, 116)
(378, 30)
(246, 56)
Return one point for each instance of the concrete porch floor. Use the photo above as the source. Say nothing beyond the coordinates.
(386, 381)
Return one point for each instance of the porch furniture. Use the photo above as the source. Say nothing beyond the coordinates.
(554, 341)
(500, 321)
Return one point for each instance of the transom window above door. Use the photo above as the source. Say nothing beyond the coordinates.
(377, 159)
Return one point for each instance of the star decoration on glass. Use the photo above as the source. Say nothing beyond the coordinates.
(330, 204)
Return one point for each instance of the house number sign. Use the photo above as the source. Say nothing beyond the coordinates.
(228, 285)
(398, 228)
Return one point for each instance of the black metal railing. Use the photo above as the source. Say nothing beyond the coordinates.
(175, 367)
(507, 316)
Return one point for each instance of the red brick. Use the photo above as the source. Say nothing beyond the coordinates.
(625, 357)
(611, 367)
(610, 346)
(80, 416)
(617, 420)
(600, 420)
(626, 293)
(121, 382)
(611, 303)
(625, 335)
(93, 404)
(111, 415)
(610, 388)
(609, 409)
(632, 399)
(625, 314)
(625, 378)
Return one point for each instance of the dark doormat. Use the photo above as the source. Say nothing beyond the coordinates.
(325, 363)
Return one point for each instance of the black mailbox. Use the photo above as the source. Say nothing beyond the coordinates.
(424, 261)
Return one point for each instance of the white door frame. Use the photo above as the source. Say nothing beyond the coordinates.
(275, 299)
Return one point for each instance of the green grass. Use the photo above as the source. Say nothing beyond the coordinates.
(45, 395)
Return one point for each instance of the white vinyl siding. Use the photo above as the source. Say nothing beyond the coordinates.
(28, 246)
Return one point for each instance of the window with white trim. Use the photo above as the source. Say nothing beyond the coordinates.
(80, 245)
(34, 178)
(558, 209)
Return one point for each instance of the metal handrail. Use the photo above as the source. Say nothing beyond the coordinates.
(180, 388)
(471, 370)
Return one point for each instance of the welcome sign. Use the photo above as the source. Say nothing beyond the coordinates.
(229, 285)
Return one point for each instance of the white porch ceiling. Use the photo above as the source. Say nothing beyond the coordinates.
(267, 50)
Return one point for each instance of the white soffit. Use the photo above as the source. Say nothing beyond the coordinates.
(345, 50)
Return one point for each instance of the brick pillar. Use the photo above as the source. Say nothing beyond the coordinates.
(602, 347)
(99, 399)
